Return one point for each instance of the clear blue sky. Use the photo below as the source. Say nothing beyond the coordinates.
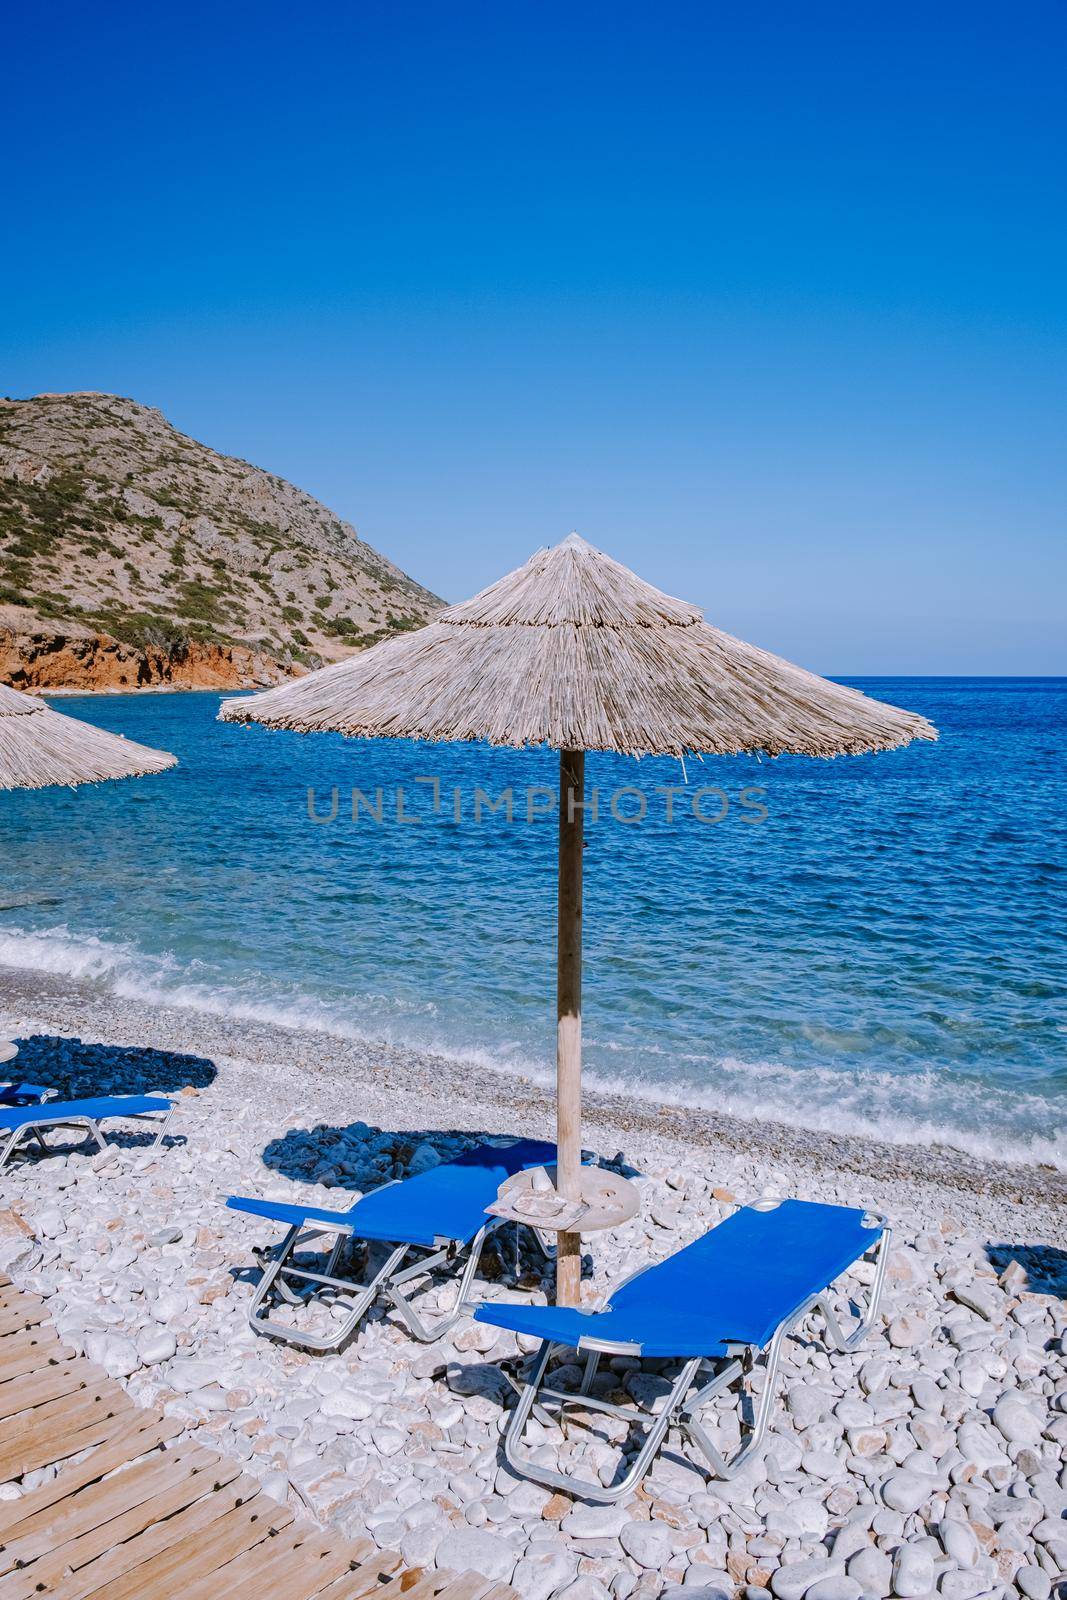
(768, 301)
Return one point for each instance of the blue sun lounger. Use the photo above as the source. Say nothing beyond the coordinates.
(719, 1303)
(23, 1122)
(438, 1216)
(22, 1094)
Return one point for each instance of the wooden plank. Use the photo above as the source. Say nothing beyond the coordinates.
(46, 1443)
(11, 1299)
(370, 1579)
(134, 1522)
(109, 1498)
(468, 1586)
(244, 1574)
(187, 1488)
(39, 1333)
(36, 1358)
(124, 1559)
(202, 1552)
(306, 1581)
(421, 1583)
(43, 1345)
(146, 1432)
(74, 1410)
(315, 1561)
(9, 1289)
(48, 1383)
(361, 1549)
(291, 1566)
(13, 1321)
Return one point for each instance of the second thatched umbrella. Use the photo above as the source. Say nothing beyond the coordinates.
(40, 747)
(575, 651)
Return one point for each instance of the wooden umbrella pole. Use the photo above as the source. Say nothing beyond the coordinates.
(569, 1016)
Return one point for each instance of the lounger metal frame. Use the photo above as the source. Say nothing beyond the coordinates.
(90, 1124)
(680, 1408)
(387, 1283)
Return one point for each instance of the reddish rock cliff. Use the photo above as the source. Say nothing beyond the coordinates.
(39, 654)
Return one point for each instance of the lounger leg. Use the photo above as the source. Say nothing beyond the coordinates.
(269, 1276)
(161, 1135)
(273, 1280)
(18, 1134)
(582, 1488)
(723, 1381)
(861, 1332)
(12, 1141)
(425, 1331)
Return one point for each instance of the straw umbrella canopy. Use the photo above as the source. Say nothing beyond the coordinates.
(39, 747)
(574, 651)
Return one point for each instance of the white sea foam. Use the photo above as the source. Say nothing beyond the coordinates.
(985, 1120)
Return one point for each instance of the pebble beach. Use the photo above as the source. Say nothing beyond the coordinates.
(932, 1461)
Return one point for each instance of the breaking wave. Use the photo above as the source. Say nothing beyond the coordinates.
(917, 1108)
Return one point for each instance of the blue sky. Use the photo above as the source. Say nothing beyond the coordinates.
(766, 301)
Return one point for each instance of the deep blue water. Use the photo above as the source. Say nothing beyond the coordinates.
(884, 950)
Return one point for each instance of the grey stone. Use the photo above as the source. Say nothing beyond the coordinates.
(475, 1550)
(584, 1588)
(588, 1521)
(537, 1576)
(908, 1330)
(872, 1570)
(156, 1345)
(958, 1583)
(423, 1159)
(792, 1581)
(807, 1404)
(849, 1540)
(118, 1356)
(418, 1547)
(840, 1587)
(905, 1491)
(913, 1572)
(959, 1543)
(1033, 1582)
(162, 1236)
(647, 1543)
(984, 1298)
(1016, 1420)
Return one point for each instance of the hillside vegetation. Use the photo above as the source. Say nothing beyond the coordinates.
(114, 526)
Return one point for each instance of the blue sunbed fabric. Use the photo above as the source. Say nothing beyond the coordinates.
(16, 1094)
(58, 1110)
(448, 1202)
(733, 1286)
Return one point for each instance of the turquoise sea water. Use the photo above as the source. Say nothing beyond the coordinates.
(883, 951)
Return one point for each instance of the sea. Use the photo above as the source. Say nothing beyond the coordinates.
(871, 944)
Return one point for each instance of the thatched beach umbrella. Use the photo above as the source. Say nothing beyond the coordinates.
(39, 747)
(574, 651)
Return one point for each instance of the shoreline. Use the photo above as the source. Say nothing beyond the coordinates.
(353, 1076)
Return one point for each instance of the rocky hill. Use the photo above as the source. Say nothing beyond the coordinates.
(132, 555)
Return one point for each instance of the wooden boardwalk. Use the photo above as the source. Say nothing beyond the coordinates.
(142, 1516)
